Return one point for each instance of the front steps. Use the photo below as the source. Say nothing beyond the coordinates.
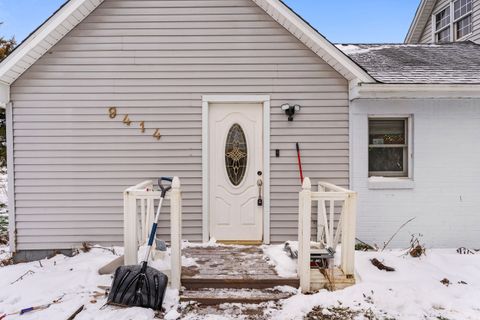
(211, 296)
(232, 274)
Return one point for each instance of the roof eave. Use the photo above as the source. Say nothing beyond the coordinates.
(308, 35)
(69, 16)
(42, 40)
(414, 91)
(421, 11)
(4, 94)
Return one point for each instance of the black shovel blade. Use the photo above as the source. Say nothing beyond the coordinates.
(134, 286)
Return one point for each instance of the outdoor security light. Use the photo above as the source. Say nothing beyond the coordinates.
(290, 110)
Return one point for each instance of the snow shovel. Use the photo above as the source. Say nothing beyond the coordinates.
(141, 285)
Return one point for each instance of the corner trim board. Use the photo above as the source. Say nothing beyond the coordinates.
(11, 178)
(206, 101)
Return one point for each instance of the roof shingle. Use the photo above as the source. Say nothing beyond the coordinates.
(452, 63)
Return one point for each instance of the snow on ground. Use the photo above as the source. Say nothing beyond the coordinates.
(413, 291)
(278, 257)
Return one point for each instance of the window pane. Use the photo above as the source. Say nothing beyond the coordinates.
(384, 132)
(442, 18)
(464, 27)
(386, 159)
(462, 7)
(444, 35)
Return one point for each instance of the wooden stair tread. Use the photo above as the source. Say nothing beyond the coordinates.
(260, 282)
(212, 296)
(231, 267)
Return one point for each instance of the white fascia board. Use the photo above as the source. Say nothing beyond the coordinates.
(4, 94)
(425, 8)
(414, 25)
(315, 37)
(414, 91)
(40, 35)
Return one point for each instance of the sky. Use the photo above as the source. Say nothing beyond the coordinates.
(341, 21)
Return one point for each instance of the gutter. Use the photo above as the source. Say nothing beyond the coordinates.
(414, 91)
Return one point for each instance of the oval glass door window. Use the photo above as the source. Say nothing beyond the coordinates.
(236, 154)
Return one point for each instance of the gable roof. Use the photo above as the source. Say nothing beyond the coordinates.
(422, 16)
(74, 11)
(451, 63)
(44, 38)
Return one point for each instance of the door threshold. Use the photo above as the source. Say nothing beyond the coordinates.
(240, 242)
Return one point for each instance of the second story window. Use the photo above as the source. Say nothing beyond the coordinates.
(442, 25)
(453, 22)
(462, 18)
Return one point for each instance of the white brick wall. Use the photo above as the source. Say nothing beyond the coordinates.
(445, 194)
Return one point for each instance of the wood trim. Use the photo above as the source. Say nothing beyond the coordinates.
(11, 178)
(414, 91)
(206, 100)
(205, 172)
(44, 31)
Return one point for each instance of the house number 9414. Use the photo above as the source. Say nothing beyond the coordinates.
(113, 113)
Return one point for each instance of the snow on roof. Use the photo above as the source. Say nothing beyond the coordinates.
(452, 63)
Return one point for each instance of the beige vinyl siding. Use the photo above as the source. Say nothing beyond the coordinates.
(154, 60)
(427, 35)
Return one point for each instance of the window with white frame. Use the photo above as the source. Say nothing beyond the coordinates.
(442, 25)
(453, 22)
(388, 147)
(462, 15)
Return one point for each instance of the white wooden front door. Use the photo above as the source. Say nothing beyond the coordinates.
(236, 167)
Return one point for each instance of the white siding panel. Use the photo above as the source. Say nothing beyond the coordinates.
(154, 60)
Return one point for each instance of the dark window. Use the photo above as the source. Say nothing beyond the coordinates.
(236, 155)
(388, 147)
(442, 25)
(462, 18)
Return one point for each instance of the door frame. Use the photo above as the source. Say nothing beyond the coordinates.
(232, 99)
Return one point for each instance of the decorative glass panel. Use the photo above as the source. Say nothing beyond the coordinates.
(236, 155)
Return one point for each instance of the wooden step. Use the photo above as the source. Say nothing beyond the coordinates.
(212, 296)
(231, 282)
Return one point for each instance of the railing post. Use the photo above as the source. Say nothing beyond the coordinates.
(304, 234)
(176, 233)
(130, 221)
(348, 235)
(321, 215)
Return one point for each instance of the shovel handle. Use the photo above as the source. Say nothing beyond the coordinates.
(165, 187)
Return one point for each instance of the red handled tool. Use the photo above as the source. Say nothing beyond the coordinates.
(299, 163)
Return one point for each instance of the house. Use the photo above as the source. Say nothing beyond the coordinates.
(438, 21)
(108, 93)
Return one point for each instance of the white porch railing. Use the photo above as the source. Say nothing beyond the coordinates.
(330, 199)
(137, 223)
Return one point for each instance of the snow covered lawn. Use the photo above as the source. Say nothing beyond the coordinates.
(414, 291)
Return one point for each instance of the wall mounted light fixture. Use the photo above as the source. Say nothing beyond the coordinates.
(290, 110)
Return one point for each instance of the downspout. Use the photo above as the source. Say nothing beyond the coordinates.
(7, 105)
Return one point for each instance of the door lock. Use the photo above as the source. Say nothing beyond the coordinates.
(260, 200)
